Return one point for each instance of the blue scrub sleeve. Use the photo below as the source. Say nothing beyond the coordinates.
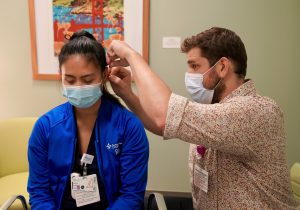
(38, 182)
(134, 168)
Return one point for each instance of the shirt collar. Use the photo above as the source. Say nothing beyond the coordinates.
(245, 89)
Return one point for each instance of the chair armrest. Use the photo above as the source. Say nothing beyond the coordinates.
(159, 200)
(11, 200)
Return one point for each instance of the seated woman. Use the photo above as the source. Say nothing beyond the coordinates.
(91, 152)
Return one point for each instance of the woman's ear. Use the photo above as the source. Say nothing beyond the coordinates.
(105, 74)
(104, 77)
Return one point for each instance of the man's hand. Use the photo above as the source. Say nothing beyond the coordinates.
(120, 80)
(117, 53)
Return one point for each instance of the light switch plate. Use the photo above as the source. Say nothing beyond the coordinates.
(171, 42)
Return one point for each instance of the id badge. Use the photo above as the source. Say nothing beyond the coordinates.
(201, 178)
(73, 175)
(84, 189)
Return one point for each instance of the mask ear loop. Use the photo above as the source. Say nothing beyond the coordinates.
(211, 69)
(220, 78)
(217, 84)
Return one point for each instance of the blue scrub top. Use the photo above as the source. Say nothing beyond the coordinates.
(68, 203)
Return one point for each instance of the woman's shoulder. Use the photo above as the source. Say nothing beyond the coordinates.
(121, 109)
(55, 115)
(121, 113)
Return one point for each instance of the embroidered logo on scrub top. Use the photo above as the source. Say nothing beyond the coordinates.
(115, 147)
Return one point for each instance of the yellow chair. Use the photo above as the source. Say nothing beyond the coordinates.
(295, 176)
(14, 135)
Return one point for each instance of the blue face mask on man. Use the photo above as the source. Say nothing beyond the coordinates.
(82, 96)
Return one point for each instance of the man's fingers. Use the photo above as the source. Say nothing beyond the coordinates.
(110, 51)
(116, 61)
(110, 58)
(119, 62)
(108, 71)
(115, 80)
(120, 72)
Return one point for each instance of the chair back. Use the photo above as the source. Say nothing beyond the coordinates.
(295, 176)
(14, 135)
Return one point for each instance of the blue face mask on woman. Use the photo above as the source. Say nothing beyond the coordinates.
(82, 96)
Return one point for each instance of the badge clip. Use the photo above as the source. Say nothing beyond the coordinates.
(86, 159)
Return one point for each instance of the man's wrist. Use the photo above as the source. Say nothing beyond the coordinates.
(131, 55)
(130, 99)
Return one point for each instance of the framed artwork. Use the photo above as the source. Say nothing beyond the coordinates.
(52, 20)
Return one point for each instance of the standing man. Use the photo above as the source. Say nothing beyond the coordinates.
(237, 154)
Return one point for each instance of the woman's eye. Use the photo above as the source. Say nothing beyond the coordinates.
(88, 82)
(70, 82)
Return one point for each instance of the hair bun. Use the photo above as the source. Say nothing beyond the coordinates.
(82, 33)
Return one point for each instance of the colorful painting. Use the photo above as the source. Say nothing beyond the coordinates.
(102, 18)
(52, 21)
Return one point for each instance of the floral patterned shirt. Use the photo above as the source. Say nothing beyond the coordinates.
(245, 156)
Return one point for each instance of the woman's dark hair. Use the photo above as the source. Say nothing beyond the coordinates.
(83, 43)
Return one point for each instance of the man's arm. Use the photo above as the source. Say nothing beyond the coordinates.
(154, 94)
(120, 79)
